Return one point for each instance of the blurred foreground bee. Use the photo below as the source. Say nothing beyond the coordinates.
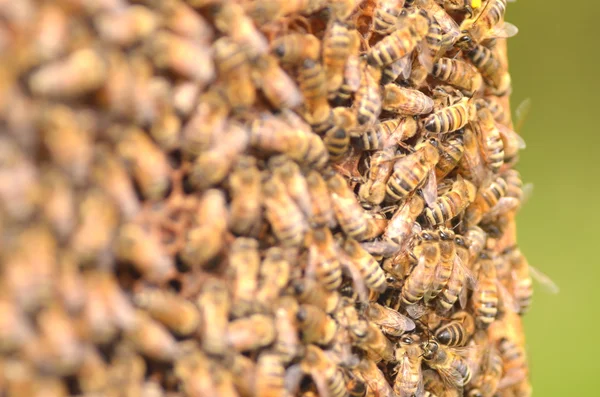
(234, 68)
(250, 333)
(279, 88)
(214, 304)
(245, 191)
(418, 282)
(287, 220)
(323, 253)
(316, 326)
(321, 207)
(327, 376)
(337, 46)
(386, 16)
(369, 268)
(294, 48)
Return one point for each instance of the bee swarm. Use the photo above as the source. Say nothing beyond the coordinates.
(259, 198)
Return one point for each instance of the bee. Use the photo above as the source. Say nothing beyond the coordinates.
(446, 265)
(399, 68)
(328, 378)
(491, 140)
(522, 288)
(390, 321)
(274, 276)
(349, 214)
(213, 166)
(451, 204)
(270, 374)
(377, 384)
(321, 207)
(245, 191)
(385, 132)
(287, 220)
(466, 6)
(369, 268)
(515, 187)
(351, 77)
(386, 16)
(409, 378)
(149, 164)
(313, 85)
(450, 118)
(337, 46)
(337, 142)
(459, 278)
(151, 339)
(231, 19)
(484, 60)
(418, 282)
(316, 325)
(485, 296)
(206, 123)
(324, 256)
(490, 372)
(451, 153)
(277, 86)
(243, 370)
(214, 304)
(399, 43)
(291, 176)
(59, 204)
(406, 101)
(459, 74)
(434, 386)
(367, 100)
(451, 367)
(82, 72)
(250, 333)
(354, 386)
(457, 331)
(234, 68)
(476, 238)
(287, 344)
(369, 337)
(193, 369)
(487, 197)
(514, 362)
(206, 237)
(486, 24)
(244, 263)
(294, 48)
(177, 314)
(380, 169)
(471, 165)
(411, 171)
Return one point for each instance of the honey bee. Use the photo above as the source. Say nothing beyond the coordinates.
(411, 171)
(337, 142)
(287, 344)
(484, 60)
(245, 190)
(369, 268)
(243, 370)
(446, 22)
(151, 339)
(369, 337)
(324, 258)
(349, 214)
(390, 321)
(250, 333)
(313, 85)
(380, 169)
(316, 325)
(486, 24)
(338, 43)
(450, 118)
(467, 6)
(149, 164)
(459, 74)
(291, 176)
(452, 203)
(514, 362)
(234, 68)
(386, 15)
(418, 282)
(321, 207)
(377, 384)
(399, 43)
(352, 76)
(409, 378)
(244, 263)
(177, 314)
(451, 153)
(485, 296)
(309, 291)
(522, 288)
(277, 86)
(354, 386)
(451, 367)
(490, 372)
(487, 197)
(514, 186)
(231, 19)
(294, 48)
(401, 67)
(446, 265)
(274, 276)
(205, 239)
(471, 165)
(270, 374)
(460, 278)
(193, 369)
(476, 238)
(406, 101)
(59, 204)
(328, 378)
(491, 141)
(211, 167)
(206, 123)
(458, 330)
(214, 304)
(384, 132)
(367, 100)
(287, 220)
(434, 386)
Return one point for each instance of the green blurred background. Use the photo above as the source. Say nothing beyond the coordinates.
(554, 61)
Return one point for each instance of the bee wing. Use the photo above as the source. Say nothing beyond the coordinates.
(507, 132)
(430, 189)
(504, 30)
(357, 279)
(527, 192)
(293, 376)
(417, 310)
(507, 298)
(395, 320)
(469, 276)
(424, 56)
(386, 249)
(544, 280)
(311, 267)
(504, 205)
(450, 376)
(521, 114)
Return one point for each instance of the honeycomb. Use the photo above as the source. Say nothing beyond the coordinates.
(259, 198)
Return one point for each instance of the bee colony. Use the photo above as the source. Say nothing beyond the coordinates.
(259, 198)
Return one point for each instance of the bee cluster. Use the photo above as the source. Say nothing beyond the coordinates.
(259, 198)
